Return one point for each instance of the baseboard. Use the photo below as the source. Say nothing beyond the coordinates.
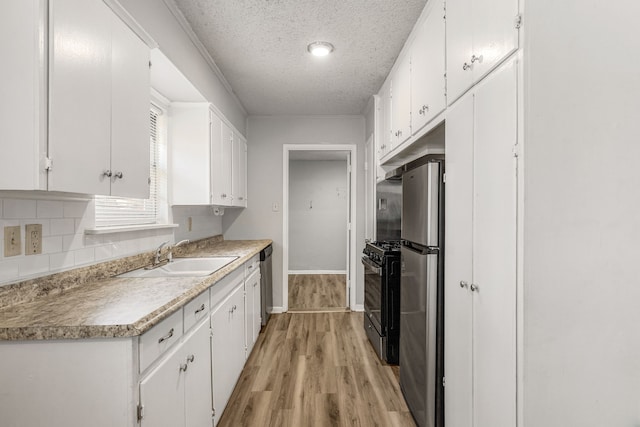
(277, 310)
(358, 307)
(317, 271)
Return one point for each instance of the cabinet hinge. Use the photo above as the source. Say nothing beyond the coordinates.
(443, 382)
(213, 412)
(48, 164)
(516, 151)
(518, 21)
(140, 412)
(444, 178)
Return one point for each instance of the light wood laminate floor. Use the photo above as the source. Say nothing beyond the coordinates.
(316, 369)
(317, 292)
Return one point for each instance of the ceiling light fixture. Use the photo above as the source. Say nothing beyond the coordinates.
(320, 48)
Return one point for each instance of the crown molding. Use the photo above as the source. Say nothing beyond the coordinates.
(177, 13)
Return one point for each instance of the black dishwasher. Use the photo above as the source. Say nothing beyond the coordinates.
(266, 284)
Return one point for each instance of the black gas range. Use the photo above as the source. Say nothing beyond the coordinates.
(381, 262)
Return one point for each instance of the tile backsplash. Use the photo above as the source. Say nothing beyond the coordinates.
(64, 244)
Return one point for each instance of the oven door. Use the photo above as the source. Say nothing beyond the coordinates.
(373, 293)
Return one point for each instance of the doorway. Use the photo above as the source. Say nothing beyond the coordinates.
(318, 208)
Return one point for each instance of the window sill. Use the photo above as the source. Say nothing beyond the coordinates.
(126, 228)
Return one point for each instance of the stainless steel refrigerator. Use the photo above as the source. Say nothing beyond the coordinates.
(389, 207)
(422, 290)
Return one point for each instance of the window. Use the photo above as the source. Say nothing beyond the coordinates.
(121, 211)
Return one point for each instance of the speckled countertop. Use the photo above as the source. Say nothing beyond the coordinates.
(91, 303)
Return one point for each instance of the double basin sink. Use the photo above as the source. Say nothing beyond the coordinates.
(184, 267)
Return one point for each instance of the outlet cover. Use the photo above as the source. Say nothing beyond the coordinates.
(33, 239)
(12, 243)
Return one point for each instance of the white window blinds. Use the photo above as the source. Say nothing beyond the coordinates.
(121, 211)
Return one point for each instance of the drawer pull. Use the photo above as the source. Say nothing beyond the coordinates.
(166, 337)
(191, 358)
(200, 309)
(184, 367)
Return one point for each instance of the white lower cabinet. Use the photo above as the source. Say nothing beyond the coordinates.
(254, 311)
(480, 275)
(228, 351)
(178, 391)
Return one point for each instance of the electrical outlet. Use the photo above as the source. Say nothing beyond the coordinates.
(33, 239)
(12, 244)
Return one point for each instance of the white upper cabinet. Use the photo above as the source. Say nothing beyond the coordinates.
(22, 96)
(480, 34)
(401, 102)
(201, 160)
(239, 179)
(428, 97)
(129, 113)
(80, 96)
(190, 136)
(99, 102)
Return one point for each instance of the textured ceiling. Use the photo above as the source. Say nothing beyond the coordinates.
(261, 48)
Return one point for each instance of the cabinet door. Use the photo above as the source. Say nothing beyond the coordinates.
(198, 399)
(458, 264)
(80, 96)
(383, 140)
(495, 35)
(494, 260)
(401, 102)
(129, 113)
(459, 48)
(427, 70)
(217, 189)
(227, 347)
(252, 288)
(22, 104)
(162, 393)
(241, 165)
(237, 182)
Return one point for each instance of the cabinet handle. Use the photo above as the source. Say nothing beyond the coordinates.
(463, 284)
(233, 309)
(466, 66)
(191, 358)
(224, 196)
(166, 337)
(474, 288)
(200, 309)
(118, 175)
(183, 367)
(107, 173)
(476, 58)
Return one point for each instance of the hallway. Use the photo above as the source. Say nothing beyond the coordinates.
(316, 369)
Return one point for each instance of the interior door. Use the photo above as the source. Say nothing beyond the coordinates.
(458, 264)
(494, 261)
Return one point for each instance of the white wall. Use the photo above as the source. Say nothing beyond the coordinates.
(318, 209)
(203, 222)
(156, 18)
(582, 221)
(266, 137)
(64, 244)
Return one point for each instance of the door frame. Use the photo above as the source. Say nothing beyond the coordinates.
(351, 235)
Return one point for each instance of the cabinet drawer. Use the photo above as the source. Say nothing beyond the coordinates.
(196, 310)
(159, 338)
(224, 287)
(252, 265)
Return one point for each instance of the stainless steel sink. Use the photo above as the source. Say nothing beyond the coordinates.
(184, 267)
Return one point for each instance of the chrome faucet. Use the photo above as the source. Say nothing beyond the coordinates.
(156, 259)
(170, 254)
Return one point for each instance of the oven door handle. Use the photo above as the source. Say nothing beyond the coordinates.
(369, 264)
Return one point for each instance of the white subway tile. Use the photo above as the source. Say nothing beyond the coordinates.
(75, 209)
(36, 264)
(9, 270)
(51, 244)
(49, 209)
(62, 226)
(46, 227)
(61, 261)
(84, 256)
(93, 240)
(71, 242)
(103, 252)
(18, 208)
